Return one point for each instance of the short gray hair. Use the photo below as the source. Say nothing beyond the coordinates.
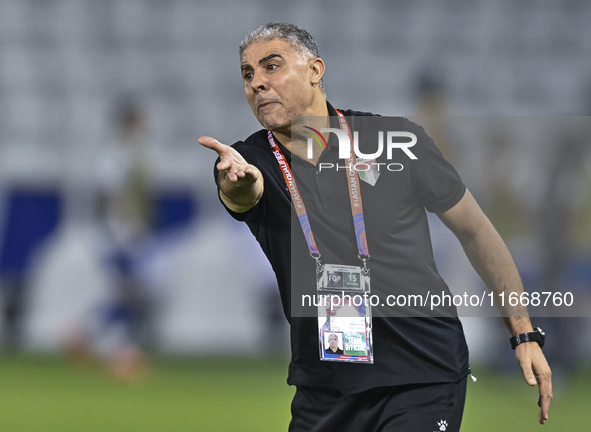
(297, 37)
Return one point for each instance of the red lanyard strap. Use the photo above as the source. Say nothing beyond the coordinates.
(296, 198)
(354, 195)
(354, 192)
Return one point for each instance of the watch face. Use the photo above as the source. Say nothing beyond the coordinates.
(542, 336)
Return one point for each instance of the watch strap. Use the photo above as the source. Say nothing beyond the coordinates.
(536, 336)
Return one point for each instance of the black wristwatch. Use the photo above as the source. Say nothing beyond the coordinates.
(537, 335)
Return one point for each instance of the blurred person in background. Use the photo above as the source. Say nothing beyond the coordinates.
(432, 104)
(119, 332)
(282, 77)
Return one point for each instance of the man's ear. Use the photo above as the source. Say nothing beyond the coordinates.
(316, 70)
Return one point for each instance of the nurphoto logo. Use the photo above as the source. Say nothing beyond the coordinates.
(345, 143)
(366, 162)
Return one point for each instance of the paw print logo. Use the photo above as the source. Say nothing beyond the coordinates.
(442, 425)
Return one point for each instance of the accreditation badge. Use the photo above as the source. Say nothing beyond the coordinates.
(344, 314)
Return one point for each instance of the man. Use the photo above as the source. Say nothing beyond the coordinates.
(419, 374)
(333, 345)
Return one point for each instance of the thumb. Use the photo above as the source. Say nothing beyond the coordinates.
(528, 374)
(525, 360)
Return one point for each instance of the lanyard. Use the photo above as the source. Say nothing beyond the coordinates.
(354, 196)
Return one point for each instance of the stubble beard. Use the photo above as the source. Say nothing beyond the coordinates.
(274, 123)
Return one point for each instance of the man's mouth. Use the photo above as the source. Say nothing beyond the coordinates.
(267, 104)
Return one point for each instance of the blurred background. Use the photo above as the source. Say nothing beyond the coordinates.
(115, 254)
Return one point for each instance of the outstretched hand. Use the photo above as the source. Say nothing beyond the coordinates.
(231, 162)
(536, 371)
(241, 184)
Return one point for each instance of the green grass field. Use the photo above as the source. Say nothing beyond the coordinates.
(46, 394)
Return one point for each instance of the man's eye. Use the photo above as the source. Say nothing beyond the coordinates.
(272, 66)
(247, 75)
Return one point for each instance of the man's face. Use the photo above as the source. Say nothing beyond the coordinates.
(277, 82)
(333, 341)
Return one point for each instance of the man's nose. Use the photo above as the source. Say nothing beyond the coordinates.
(258, 83)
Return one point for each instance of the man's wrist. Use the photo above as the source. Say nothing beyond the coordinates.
(518, 325)
(537, 335)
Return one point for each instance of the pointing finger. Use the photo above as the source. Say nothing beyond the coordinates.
(213, 144)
